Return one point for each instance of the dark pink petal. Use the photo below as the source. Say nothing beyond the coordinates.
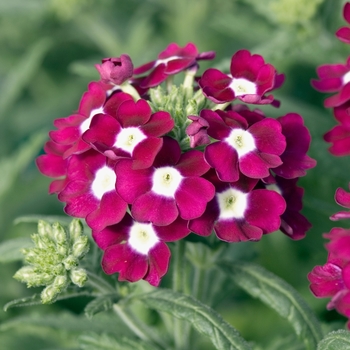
(224, 159)
(257, 165)
(327, 85)
(268, 136)
(94, 98)
(346, 12)
(110, 211)
(204, 225)
(145, 152)
(340, 137)
(340, 247)
(57, 186)
(214, 78)
(132, 113)
(159, 210)
(177, 65)
(236, 231)
(218, 129)
(173, 232)
(159, 124)
(346, 275)
(169, 154)
(132, 183)
(65, 136)
(264, 210)
(144, 68)
(343, 34)
(342, 304)
(342, 198)
(156, 77)
(192, 197)
(331, 70)
(121, 258)
(113, 103)
(326, 280)
(158, 260)
(112, 235)
(51, 165)
(338, 99)
(192, 163)
(340, 215)
(342, 115)
(294, 225)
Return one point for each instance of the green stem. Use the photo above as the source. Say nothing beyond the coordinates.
(180, 339)
(99, 283)
(140, 329)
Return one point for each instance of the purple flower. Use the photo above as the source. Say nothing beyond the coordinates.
(294, 158)
(134, 133)
(293, 223)
(94, 101)
(343, 33)
(172, 60)
(250, 150)
(239, 212)
(251, 78)
(137, 250)
(172, 187)
(90, 190)
(342, 198)
(197, 131)
(334, 78)
(115, 70)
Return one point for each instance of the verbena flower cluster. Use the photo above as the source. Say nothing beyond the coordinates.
(145, 161)
(333, 278)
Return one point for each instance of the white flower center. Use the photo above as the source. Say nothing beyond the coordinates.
(274, 187)
(129, 138)
(166, 181)
(242, 86)
(142, 237)
(232, 203)
(104, 181)
(346, 78)
(86, 123)
(241, 140)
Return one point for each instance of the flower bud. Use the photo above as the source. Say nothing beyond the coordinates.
(78, 276)
(59, 234)
(69, 262)
(75, 230)
(80, 247)
(49, 294)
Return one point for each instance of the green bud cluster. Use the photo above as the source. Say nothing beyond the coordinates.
(54, 259)
(180, 101)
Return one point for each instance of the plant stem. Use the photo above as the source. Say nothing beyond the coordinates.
(180, 339)
(99, 283)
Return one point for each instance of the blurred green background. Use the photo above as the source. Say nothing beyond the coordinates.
(47, 52)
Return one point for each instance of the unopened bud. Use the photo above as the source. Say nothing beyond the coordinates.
(78, 276)
(80, 246)
(69, 262)
(75, 230)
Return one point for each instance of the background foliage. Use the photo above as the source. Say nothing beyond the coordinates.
(48, 48)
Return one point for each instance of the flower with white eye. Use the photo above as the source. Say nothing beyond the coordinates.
(90, 190)
(137, 250)
(171, 187)
(134, 132)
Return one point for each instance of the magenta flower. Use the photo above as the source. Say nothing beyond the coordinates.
(250, 150)
(293, 223)
(339, 136)
(172, 60)
(137, 250)
(342, 198)
(239, 212)
(115, 70)
(294, 158)
(343, 33)
(94, 101)
(134, 133)
(197, 131)
(334, 78)
(90, 190)
(52, 164)
(172, 187)
(333, 280)
(250, 79)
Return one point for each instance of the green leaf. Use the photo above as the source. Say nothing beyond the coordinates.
(11, 250)
(105, 342)
(207, 321)
(338, 340)
(99, 304)
(278, 295)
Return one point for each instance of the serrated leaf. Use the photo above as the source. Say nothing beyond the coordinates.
(204, 319)
(338, 340)
(278, 295)
(99, 304)
(11, 250)
(105, 342)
